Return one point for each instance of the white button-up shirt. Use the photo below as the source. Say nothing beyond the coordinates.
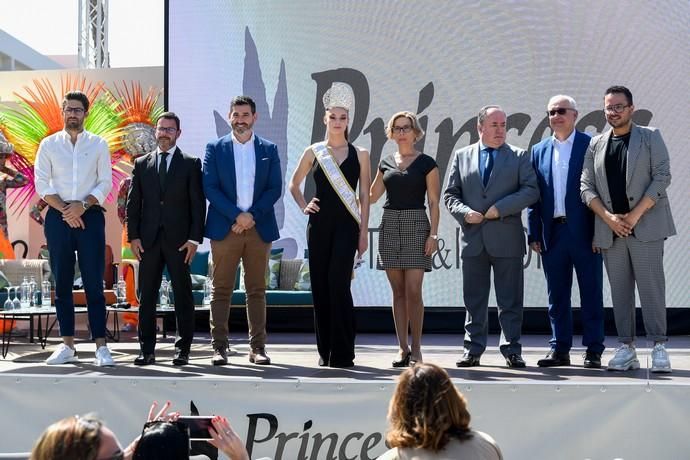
(560, 161)
(245, 171)
(73, 171)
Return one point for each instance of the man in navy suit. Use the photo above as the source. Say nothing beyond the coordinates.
(561, 229)
(242, 181)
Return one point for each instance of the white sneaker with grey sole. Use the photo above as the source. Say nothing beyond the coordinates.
(625, 359)
(660, 359)
(103, 357)
(62, 355)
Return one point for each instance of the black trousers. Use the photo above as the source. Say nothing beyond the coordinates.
(163, 253)
(332, 243)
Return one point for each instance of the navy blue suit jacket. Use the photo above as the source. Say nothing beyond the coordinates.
(220, 188)
(540, 214)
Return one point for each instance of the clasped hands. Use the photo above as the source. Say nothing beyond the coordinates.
(72, 212)
(475, 217)
(622, 224)
(243, 222)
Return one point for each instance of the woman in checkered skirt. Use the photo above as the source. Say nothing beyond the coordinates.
(406, 238)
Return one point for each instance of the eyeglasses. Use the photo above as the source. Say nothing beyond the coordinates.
(74, 110)
(560, 111)
(162, 129)
(618, 108)
(402, 129)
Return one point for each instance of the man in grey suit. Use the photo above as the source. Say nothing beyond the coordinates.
(490, 183)
(624, 180)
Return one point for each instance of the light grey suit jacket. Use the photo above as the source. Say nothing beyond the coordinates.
(648, 174)
(512, 187)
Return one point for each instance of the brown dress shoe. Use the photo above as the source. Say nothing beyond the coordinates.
(220, 357)
(259, 356)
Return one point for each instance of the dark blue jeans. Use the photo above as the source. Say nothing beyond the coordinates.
(89, 245)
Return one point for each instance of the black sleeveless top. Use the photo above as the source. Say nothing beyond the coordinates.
(329, 202)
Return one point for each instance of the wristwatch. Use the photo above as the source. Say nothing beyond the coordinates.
(433, 237)
(85, 205)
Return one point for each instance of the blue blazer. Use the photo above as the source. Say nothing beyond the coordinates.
(540, 214)
(220, 188)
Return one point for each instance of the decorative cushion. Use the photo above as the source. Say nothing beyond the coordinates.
(272, 270)
(303, 282)
(4, 282)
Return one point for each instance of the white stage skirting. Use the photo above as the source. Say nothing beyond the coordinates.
(346, 419)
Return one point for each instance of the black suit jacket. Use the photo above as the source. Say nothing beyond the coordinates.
(180, 209)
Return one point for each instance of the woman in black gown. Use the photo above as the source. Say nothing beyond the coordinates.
(338, 226)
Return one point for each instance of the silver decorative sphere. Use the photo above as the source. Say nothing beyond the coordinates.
(139, 139)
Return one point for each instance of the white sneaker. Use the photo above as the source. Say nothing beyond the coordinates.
(62, 355)
(624, 359)
(103, 357)
(660, 359)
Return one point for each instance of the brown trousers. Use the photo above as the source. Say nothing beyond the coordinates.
(226, 254)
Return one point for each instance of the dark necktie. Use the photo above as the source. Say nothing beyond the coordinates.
(488, 166)
(163, 170)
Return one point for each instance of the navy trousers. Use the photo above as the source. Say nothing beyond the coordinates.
(89, 245)
(564, 255)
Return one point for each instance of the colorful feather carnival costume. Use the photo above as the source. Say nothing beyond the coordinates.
(40, 115)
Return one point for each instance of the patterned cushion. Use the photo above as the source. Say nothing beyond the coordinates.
(272, 270)
(303, 282)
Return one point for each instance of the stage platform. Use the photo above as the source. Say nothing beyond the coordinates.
(295, 406)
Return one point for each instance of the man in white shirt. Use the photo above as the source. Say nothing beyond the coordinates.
(561, 228)
(74, 176)
(242, 181)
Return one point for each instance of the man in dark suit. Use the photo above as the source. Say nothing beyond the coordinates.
(625, 175)
(165, 223)
(489, 185)
(242, 181)
(561, 228)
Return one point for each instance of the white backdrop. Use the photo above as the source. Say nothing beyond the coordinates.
(443, 60)
(575, 421)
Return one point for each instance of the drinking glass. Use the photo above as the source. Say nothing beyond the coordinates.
(16, 302)
(8, 303)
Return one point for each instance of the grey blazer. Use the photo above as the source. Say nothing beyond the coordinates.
(512, 187)
(648, 174)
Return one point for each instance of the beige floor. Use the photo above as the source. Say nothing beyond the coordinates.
(294, 357)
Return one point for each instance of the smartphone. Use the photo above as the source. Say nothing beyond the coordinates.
(198, 426)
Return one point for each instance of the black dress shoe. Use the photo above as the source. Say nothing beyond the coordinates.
(515, 361)
(404, 362)
(468, 360)
(553, 358)
(592, 360)
(181, 358)
(144, 359)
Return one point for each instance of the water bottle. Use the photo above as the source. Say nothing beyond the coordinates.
(33, 292)
(164, 293)
(121, 290)
(45, 293)
(207, 291)
(24, 294)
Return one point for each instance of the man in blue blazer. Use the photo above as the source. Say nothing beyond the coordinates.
(561, 229)
(242, 181)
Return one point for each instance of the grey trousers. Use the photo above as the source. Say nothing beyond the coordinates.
(630, 261)
(509, 284)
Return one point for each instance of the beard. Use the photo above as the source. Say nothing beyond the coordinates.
(241, 128)
(74, 124)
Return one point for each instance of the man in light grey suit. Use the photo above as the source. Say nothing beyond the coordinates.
(490, 183)
(624, 180)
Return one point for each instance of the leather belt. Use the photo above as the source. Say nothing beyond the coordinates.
(559, 220)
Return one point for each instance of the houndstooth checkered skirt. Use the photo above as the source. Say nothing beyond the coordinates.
(402, 236)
